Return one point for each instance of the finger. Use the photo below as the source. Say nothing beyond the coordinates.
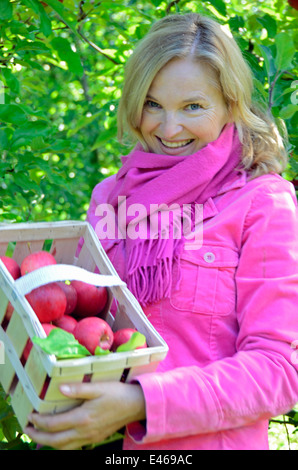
(56, 422)
(66, 440)
(84, 390)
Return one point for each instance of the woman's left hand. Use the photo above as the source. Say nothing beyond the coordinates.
(107, 407)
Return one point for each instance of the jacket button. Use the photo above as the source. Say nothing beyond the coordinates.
(209, 257)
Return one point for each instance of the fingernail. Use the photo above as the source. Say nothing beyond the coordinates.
(65, 389)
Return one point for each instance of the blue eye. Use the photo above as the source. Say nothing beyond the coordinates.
(152, 104)
(194, 106)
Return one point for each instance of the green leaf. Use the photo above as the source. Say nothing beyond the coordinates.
(38, 143)
(220, 6)
(137, 339)
(11, 80)
(236, 22)
(288, 111)
(269, 23)
(16, 27)
(62, 344)
(45, 22)
(5, 10)
(65, 52)
(156, 3)
(35, 46)
(12, 113)
(18, 143)
(32, 129)
(269, 60)
(5, 134)
(60, 9)
(285, 51)
(24, 182)
(33, 4)
(101, 352)
(103, 137)
(83, 122)
(57, 179)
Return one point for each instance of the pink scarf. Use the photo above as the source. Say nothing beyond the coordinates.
(148, 178)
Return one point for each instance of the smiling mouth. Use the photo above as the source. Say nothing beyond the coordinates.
(175, 145)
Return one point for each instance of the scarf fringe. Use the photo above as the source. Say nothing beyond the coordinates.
(151, 282)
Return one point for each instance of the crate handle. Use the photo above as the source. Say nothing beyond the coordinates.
(63, 272)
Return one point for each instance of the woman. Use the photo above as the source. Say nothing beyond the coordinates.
(225, 301)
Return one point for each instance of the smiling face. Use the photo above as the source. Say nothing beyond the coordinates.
(184, 109)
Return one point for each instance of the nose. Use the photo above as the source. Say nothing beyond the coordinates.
(170, 126)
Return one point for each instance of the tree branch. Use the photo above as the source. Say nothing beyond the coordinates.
(98, 49)
(84, 15)
(94, 46)
(170, 5)
(272, 85)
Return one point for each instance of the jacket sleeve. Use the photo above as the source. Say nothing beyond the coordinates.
(260, 380)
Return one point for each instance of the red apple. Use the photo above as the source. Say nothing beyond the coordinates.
(293, 3)
(48, 302)
(71, 296)
(122, 336)
(12, 266)
(36, 260)
(47, 328)
(67, 323)
(91, 299)
(92, 332)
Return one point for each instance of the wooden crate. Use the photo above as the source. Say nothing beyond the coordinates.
(26, 384)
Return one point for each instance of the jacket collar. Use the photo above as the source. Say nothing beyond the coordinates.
(210, 209)
(238, 182)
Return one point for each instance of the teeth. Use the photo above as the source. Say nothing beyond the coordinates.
(175, 145)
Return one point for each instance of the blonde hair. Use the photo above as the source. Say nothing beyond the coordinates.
(204, 40)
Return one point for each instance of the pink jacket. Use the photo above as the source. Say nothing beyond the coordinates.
(232, 328)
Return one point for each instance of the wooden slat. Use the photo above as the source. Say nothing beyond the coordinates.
(64, 250)
(137, 370)
(93, 245)
(53, 393)
(2, 353)
(35, 370)
(109, 376)
(17, 333)
(3, 248)
(41, 230)
(85, 259)
(7, 371)
(21, 404)
(3, 304)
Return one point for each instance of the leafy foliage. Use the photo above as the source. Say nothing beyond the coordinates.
(61, 70)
